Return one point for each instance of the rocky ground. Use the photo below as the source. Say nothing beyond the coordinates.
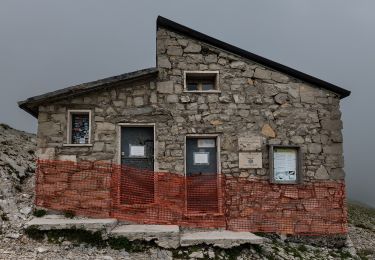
(16, 196)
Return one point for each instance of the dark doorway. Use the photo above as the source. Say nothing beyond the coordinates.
(137, 160)
(201, 175)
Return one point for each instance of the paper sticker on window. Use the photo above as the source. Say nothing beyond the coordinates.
(201, 158)
(137, 151)
(206, 143)
(285, 164)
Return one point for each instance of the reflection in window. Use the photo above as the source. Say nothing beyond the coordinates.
(80, 128)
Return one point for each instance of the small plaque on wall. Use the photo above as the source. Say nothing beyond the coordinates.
(252, 143)
(250, 160)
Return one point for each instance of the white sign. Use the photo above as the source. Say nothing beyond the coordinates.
(137, 151)
(250, 160)
(285, 164)
(201, 157)
(206, 143)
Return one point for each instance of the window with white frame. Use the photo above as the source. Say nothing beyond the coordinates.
(201, 81)
(79, 127)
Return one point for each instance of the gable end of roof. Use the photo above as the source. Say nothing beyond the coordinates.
(179, 28)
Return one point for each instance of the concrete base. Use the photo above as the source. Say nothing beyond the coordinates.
(166, 236)
(60, 222)
(223, 239)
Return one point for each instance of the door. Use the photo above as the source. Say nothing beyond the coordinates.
(137, 160)
(201, 175)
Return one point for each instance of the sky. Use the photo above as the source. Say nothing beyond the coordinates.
(47, 45)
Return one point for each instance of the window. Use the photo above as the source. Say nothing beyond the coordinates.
(201, 81)
(285, 164)
(79, 127)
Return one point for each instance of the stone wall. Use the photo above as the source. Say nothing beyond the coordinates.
(313, 208)
(254, 101)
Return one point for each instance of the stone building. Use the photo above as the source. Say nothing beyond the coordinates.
(249, 143)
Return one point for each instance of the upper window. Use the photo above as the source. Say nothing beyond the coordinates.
(79, 127)
(201, 81)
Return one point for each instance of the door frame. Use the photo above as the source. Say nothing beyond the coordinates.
(219, 175)
(120, 137)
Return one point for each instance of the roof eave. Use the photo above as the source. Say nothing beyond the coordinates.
(31, 104)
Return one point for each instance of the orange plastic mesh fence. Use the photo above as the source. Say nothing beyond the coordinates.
(210, 201)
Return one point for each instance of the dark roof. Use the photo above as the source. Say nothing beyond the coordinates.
(30, 105)
(166, 23)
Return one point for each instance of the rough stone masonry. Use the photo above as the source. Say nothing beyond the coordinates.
(253, 101)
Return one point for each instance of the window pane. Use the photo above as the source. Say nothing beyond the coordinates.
(192, 86)
(80, 128)
(207, 86)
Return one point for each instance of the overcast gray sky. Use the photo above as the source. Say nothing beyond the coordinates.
(47, 45)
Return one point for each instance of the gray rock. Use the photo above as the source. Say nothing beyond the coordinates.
(26, 210)
(281, 98)
(197, 255)
(184, 99)
(297, 139)
(237, 65)
(174, 51)
(192, 48)
(163, 62)
(262, 73)
(165, 87)
(41, 249)
(315, 148)
(321, 173)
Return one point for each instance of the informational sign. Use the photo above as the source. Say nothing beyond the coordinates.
(206, 143)
(252, 143)
(250, 160)
(285, 164)
(137, 151)
(201, 157)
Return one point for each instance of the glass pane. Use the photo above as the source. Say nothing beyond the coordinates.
(192, 86)
(285, 164)
(207, 86)
(80, 128)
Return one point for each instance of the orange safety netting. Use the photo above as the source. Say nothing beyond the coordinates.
(210, 201)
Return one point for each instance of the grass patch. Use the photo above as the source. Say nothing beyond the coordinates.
(4, 217)
(69, 214)
(365, 253)
(361, 216)
(39, 213)
(80, 236)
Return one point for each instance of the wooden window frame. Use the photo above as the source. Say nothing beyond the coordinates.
(299, 173)
(69, 126)
(214, 73)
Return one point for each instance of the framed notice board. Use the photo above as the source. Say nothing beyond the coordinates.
(285, 164)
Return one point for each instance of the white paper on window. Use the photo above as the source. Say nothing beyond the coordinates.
(201, 157)
(285, 164)
(137, 151)
(206, 143)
